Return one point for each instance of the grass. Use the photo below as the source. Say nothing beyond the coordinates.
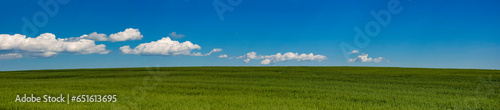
(259, 88)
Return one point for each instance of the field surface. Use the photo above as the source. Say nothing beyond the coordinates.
(258, 88)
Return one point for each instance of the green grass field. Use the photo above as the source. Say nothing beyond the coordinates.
(259, 88)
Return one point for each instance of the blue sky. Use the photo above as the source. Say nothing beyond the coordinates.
(426, 33)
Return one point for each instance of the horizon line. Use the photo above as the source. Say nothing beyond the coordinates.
(407, 67)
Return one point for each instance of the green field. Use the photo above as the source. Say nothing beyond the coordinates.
(259, 88)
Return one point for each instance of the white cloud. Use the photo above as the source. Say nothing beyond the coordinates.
(246, 60)
(95, 36)
(364, 58)
(214, 51)
(128, 34)
(46, 45)
(265, 61)
(222, 56)
(10, 56)
(354, 52)
(166, 46)
(268, 59)
(175, 35)
(252, 55)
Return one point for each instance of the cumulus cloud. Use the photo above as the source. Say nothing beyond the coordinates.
(46, 45)
(265, 61)
(268, 59)
(166, 46)
(128, 34)
(246, 60)
(175, 35)
(364, 58)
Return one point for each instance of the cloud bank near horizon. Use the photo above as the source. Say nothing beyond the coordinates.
(46, 45)
(278, 57)
(166, 47)
(364, 58)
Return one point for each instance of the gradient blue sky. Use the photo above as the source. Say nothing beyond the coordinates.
(427, 33)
